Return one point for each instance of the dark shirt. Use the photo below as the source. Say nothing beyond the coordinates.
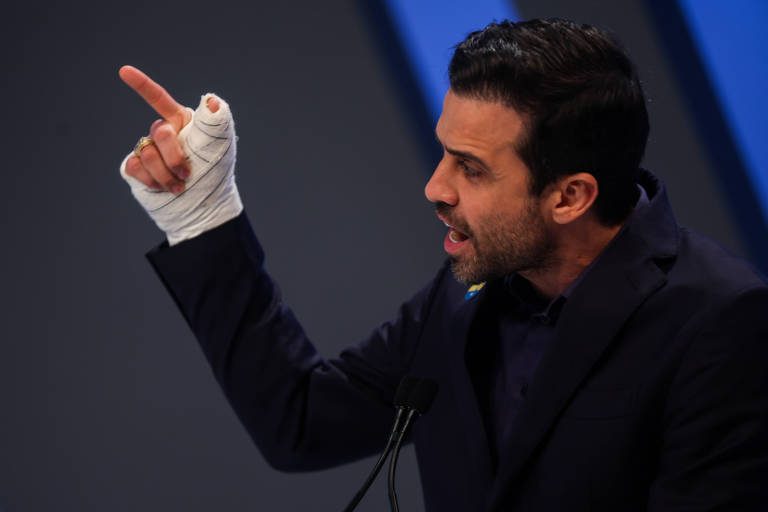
(511, 335)
(526, 325)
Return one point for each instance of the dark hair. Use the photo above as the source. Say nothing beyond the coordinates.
(579, 94)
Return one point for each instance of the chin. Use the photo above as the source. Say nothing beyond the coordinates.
(466, 273)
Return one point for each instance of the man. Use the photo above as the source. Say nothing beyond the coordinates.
(603, 358)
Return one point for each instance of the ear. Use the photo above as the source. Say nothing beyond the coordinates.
(572, 196)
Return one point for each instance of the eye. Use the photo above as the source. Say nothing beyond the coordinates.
(469, 172)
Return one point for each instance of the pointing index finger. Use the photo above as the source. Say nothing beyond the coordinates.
(157, 97)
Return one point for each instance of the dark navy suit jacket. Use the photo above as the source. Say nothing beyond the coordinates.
(653, 394)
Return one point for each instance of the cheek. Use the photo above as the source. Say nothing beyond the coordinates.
(485, 214)
(498, 221)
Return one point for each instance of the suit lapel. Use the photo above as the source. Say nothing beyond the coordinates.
(467, 409)
(582, 335)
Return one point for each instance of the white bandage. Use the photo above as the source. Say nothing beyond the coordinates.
(210, 196)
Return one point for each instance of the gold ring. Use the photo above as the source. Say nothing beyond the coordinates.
(143, 142)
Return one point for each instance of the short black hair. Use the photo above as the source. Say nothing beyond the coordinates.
(579, 94)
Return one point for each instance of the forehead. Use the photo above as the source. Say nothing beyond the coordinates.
(487, 124)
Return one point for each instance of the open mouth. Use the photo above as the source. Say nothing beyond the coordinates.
(456, 236)
(455, 239)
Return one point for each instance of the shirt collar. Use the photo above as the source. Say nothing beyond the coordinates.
(531, 303)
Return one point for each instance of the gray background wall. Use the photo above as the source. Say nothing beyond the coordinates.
(105, 400)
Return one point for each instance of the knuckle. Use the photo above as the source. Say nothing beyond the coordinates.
(149, 155)
(166, 181)
(146, 179)
(164, 133)
(154, 126)
(132, 167)
(175, 162)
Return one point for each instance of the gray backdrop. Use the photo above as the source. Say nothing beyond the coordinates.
(106, 402)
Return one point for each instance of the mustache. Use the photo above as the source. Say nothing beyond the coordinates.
(447, 212)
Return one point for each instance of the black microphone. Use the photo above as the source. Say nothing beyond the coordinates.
(401, 401)
(418, 403)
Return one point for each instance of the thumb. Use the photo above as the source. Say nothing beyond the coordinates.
(212, 103)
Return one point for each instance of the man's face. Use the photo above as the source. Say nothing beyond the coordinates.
(481, 190)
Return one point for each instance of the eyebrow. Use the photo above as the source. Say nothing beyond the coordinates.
(463, 154)
(467, 156)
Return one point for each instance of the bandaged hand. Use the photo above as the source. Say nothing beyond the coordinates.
(185, 178)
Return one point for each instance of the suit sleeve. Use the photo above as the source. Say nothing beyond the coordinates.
(304, 412)
(715, 442)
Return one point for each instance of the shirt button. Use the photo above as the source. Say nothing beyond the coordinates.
(524, 390)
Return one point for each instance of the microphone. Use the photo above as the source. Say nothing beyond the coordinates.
(419, 401)
(401, 401)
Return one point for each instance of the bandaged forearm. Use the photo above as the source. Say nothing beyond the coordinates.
(210, 196)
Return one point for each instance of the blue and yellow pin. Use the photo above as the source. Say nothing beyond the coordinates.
(473, 290)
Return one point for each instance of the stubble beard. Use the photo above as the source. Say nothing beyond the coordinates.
(501, 248)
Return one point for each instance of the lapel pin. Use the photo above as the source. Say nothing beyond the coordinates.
(473, 290)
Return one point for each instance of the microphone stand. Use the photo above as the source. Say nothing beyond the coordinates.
(379, 463)
(404, 390)
(393, 506)
(419, 401)
(414, 397)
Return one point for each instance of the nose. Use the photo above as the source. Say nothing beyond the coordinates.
(440, 188)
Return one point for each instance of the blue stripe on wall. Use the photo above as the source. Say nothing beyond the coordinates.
(732, 43)
(429, 29)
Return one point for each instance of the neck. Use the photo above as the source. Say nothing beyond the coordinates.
(576, 248)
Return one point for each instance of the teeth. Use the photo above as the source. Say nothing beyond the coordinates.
(451, 236)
